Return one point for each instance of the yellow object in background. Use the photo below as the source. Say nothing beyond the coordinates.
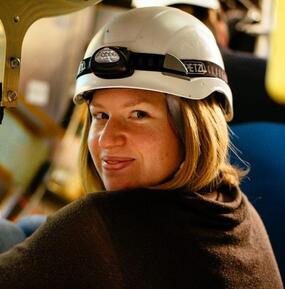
(275, 76)
(2, 51)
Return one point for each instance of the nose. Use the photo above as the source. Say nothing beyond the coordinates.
(113, 134)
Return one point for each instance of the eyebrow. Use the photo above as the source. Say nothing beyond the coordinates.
(126, 105)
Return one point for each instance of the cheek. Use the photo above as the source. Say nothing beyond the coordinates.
(168, 148)
(160, 157)
(148, 138)
(157, 147)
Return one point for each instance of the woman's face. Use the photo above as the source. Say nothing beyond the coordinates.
(131, 140)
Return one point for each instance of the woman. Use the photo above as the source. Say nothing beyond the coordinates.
(170, 214)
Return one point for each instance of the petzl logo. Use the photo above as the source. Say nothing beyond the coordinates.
(196, 67)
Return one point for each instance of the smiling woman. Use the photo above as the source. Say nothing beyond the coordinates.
(170, 213)
(131, 135)
(143, 133)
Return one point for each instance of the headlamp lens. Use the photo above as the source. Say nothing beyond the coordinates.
(111, 62)
(106, 55)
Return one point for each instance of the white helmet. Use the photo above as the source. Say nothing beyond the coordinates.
(210, 4)
(156, 48)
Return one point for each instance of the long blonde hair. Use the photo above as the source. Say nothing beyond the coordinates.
(206, 147)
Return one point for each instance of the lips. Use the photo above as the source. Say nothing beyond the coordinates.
(116, 163)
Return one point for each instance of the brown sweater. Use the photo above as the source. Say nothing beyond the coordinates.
(142, 239)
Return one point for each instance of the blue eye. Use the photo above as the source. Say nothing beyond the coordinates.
(100, 115)
(139, 114)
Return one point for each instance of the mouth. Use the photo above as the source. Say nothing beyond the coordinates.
(116, 163)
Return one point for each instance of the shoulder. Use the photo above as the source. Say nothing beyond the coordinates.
(94, 204)
(102, 207)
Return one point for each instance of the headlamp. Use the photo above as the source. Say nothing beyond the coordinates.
(119, 62)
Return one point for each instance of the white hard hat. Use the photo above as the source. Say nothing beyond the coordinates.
(156, 48)
(211, 4)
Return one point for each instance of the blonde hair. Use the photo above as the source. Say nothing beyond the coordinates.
(90, 179)
(206, 146)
